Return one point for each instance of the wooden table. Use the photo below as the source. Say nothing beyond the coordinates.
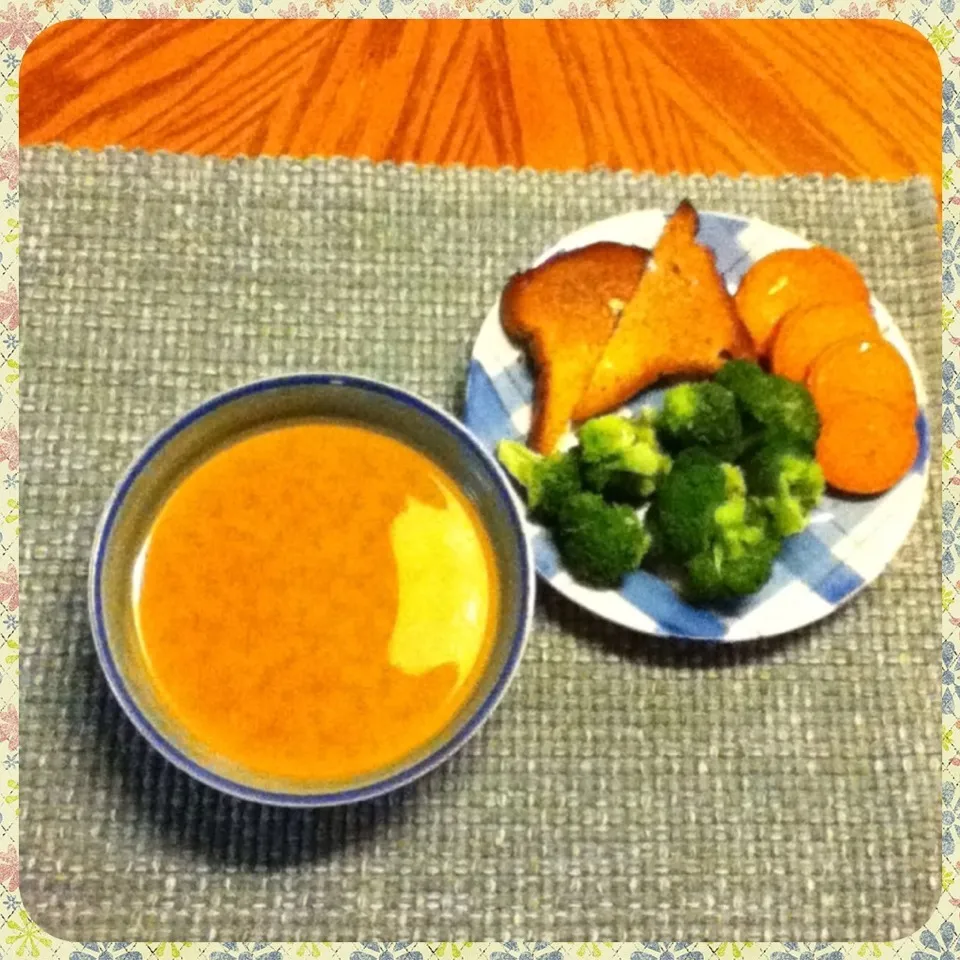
(764, 97)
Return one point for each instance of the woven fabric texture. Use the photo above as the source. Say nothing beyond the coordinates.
(626, 788)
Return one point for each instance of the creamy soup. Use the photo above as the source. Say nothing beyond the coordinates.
(316, 602)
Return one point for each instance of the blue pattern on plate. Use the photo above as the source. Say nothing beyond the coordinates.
(545, 555)
(667, 612)
(494, 396)
(487, 416)
(722, 236)
(515, 384)
(809, 558)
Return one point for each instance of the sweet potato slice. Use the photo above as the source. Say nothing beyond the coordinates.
(787, 279)
(564, 312)
(857, 368)
(806, 332)
(681, 320)
(866, 447)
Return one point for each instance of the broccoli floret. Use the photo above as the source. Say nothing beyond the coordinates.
(705, 576)
(740, 557)
(600, 542)
(734, 484)
(789, 413)
(704, 415)
(703, 516)
(742, 378)
(621, 458)
(716, 575)
(605, 437)
(773, 407)
(549, 482)
(789, 483)
(740, 523)
(683, 511)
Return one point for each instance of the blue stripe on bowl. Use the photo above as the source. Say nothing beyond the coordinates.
(659, 601)
(810, 559)
(923, 435)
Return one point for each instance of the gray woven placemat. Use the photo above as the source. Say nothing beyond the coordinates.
(626, 789)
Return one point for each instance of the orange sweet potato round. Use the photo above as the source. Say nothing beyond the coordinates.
(867, 447)
(787, 279)
(805, 332)
(858, 368)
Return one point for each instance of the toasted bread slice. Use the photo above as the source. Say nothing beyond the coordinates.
(564, 311)
(681, 320)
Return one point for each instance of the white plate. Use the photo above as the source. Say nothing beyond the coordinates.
(848, 542)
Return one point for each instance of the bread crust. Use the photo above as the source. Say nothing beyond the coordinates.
(563, 312)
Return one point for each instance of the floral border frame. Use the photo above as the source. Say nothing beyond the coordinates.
(20, 936)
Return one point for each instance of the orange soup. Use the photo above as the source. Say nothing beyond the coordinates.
(316, 602)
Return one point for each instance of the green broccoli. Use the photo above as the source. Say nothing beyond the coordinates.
(789, 413)
(605, 437)
(740, 557)
(599, 542)
(703, 519)
(773, 407)
(741, 522)
(621, 458)
(789, 483)
(744, 379)
(549, 481)
(683, 513)
(716, 575)
(704, 415)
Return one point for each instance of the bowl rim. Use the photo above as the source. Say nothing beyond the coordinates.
(507, 499)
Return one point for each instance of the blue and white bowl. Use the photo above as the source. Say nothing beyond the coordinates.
(141, 493)
(849, 541)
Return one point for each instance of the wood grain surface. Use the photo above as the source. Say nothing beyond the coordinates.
(764, 97)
